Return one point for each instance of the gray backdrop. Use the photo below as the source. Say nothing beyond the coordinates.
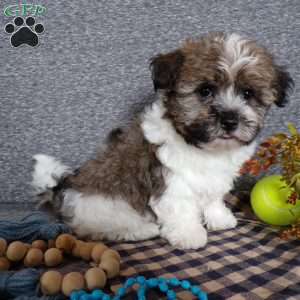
(90, 72)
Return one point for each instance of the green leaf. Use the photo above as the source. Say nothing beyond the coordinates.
(292, 129)
(281, 136)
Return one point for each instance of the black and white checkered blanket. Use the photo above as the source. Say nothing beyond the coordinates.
(250, 262)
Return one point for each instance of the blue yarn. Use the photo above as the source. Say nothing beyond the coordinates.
(22, 285)
(33, 227)
(24, 282)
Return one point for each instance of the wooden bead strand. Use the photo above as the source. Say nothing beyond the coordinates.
(105, 261)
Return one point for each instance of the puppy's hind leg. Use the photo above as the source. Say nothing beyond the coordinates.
(145, 232)
(142, 232)
(98, 217)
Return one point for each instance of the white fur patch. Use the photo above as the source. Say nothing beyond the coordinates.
(99, 217)
(47, 171)
(196, 179)
(231, 101)
(236, 55)
(152, 124)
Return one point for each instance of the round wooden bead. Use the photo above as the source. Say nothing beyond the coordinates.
(85, 251)
(3, 246)
(111, 253)
(16, 251)
(34, 257)
(76, 248)
(51, 282)
(95, 278)
(65, 242)
(40, 244)
(111, 266)
(4, 264)
(73, 281)
(53, 257)
(97, 252)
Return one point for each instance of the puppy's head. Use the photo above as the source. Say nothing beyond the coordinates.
(217, 90)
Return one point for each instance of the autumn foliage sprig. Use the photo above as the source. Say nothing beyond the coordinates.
(283, 150)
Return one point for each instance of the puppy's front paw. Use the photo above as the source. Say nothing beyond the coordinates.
(185, 238)
(221, 221)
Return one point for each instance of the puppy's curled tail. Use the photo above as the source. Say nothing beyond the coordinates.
(47, 173)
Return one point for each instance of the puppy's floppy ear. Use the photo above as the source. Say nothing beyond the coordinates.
(166, 69)
(284, 86)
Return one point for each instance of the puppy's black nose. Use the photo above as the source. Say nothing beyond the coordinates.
(229, 120)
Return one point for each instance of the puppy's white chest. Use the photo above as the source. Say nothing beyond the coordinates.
(190, 171)
(193, 173)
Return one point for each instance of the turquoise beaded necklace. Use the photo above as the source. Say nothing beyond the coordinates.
(164, 285)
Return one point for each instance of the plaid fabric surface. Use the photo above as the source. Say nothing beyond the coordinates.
(249, 262)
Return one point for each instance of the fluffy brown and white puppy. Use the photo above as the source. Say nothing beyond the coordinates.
(167, 173)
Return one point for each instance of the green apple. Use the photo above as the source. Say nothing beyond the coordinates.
(269, 202)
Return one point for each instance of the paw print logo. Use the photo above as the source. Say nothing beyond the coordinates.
(24, 32)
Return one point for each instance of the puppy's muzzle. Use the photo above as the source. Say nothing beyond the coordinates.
(229, 120)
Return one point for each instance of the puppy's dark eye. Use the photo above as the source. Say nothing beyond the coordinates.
(248, 94)
(206, 90)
